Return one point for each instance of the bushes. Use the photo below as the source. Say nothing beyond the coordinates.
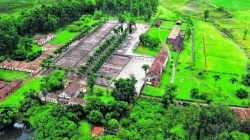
(149, 41)
(195, 93)
(73, 28)
(242, 93)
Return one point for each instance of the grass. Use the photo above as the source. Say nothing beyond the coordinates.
(84, 130)
(105, 94)
(225, 56)
(62, 36)
(233, 4)
(16, 97)
(9, 75)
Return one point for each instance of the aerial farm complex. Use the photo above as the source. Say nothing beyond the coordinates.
(124, 75)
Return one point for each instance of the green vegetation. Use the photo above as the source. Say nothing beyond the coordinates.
(53, 82)
(9, 75)
(102, 93)
(84, 130)
(215, 61)
(15, 98)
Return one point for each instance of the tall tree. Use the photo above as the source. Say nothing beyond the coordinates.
(206, 14)
(145, 67)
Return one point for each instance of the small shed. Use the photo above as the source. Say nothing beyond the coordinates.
(179, 22)
(97, 131)
(158, 23)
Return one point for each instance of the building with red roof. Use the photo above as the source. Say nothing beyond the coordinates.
(97, 131)
(154, 75)
(2, 84)
(7, 90)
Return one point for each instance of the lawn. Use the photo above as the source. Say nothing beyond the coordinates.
(101, 92)
(16, 97)
(9, 75)
(62, 36)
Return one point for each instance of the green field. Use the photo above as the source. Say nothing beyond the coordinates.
(16, 97)
(62, 36)
(9, 75)
(104, 94)
(11, 6)
(224, 54)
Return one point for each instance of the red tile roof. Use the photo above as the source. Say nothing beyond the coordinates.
(158, 64)
(52, 96)
(242, 113)
(76, 100)
(96, 131)
(72, 88)
(2, 84)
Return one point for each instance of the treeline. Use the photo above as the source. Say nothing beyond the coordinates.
(135, 7)
(40, 20)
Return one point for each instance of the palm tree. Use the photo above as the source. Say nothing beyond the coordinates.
(216, 78)
(145, 67)
(233, 80)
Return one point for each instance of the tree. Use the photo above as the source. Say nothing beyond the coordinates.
(30, 100)
(124, 89)
(242, 93)
(233, 80)
(91, 82)
(216, 78)
(113, 125)
(53, 82)
(145, 67)
(245, 34)
(169, 96)
(95, 117)
(234, 135)
(216, 119)
(246, 80)
(194, 93)
(206, 14)
(7, 114)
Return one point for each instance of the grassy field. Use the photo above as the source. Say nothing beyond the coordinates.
(16, 97)
(9, 75)
(101, 92)
(11, 6)
(224, 54)
(62, 36)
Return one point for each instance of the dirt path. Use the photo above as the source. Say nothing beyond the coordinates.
(173, 68)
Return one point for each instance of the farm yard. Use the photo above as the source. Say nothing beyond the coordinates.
(77, 56)
(151, 69)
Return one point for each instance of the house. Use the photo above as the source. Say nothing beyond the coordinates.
(175, 38)
(2, 84)
(179, 22)
(52, 98)
(242, 113)
(154, 75)
(49, 47)
(158, 23)
(43, 39)
(97, 131)
(75, 101)
(7, 90)
(72, 90)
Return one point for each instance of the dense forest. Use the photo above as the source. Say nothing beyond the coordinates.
(39, 20)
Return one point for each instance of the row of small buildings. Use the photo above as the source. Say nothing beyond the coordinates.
(68, 96)
(7, 89)
(33, 67)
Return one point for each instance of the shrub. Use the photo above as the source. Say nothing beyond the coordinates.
(73, 28)
(242, 93)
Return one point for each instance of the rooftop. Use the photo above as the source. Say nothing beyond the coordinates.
(175, 32)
